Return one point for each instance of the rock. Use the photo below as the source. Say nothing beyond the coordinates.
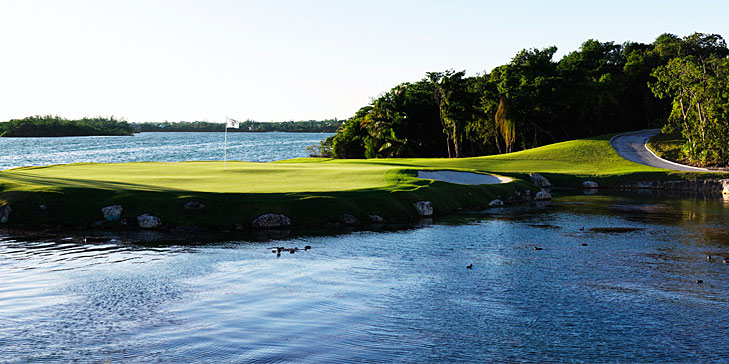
(271, 220)
(238, 226)
(496, 203)
(112, 213)
(425, 208)
(589, 184)
(42, 207)
(539, 180)
(542, 196)
(725, 186)
(5, 211)
(376, 218)
(193, 206)
(348, 219)
(148, 221)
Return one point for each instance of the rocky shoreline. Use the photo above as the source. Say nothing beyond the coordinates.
(270, 225)
(698, 186)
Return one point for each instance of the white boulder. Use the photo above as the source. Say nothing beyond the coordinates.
(271, 220)
(542, 196)
(112, 213)
(496, 203)
(148, 221)
(539, 180)
(425, 208)
(376, 218)
(725, 186)
(589, 184)
(193, 206)
(348, 219)
(5, 211)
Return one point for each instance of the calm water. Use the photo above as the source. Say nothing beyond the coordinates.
(165, 147)
(402, 296)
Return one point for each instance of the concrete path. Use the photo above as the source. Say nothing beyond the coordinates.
(632, 146)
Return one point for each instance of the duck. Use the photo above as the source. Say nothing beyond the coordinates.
(307, 247)
(470, 266)
(584, 244)
(699, 281)
(537, 248)
(708, 257)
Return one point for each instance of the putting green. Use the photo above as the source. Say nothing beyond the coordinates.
(310, 191)
(585, 158)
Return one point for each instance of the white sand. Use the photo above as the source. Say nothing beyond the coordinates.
(463, 178)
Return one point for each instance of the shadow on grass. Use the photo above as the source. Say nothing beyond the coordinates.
(61, 183)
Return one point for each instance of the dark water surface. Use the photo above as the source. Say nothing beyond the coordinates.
(161, 147)
(403, 296)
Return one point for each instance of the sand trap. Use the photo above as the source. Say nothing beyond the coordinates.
(463, 178)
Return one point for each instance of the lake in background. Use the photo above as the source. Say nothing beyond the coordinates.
(162, 147)
(630, 295)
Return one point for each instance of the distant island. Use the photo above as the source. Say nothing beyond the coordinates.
(56, 126)
(308, 126)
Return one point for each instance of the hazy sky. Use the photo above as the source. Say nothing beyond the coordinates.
(286, 60)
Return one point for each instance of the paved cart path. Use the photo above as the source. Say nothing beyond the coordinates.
(632, 146)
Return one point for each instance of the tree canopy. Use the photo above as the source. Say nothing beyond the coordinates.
(54, 125)
(534, 100)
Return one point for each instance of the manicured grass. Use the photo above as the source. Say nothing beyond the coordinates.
(668, 146)
(310, 191)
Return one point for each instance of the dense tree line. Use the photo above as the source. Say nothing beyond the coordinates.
(310, 126)
(534, 100)
(698, 84)
(54, 126)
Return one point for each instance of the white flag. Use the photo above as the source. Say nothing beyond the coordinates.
(232, 123)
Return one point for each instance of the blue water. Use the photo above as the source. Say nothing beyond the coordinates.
(164, 147)
(372, 296)
(403, 296)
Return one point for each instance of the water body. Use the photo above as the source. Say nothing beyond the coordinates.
(163, 147)
(629, 295)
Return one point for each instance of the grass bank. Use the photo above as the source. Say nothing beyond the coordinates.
(668, 146)
(310, 191)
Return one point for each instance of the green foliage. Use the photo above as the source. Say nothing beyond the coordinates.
(309, 126)
(55, 126)
(531, 101)
(698, 85)
(669, 145)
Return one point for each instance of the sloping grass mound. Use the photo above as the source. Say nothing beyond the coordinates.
(310, 191)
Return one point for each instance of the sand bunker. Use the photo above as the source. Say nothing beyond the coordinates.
(463, 178)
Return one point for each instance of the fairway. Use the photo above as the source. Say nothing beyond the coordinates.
(310, 191)
(586, 158)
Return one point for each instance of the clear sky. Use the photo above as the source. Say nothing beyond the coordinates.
(272, 60)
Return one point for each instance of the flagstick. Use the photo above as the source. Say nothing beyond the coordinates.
(225, 158)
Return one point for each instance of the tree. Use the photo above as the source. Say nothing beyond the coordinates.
(699, 89)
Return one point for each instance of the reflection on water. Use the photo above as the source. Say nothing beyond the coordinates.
(616, 280)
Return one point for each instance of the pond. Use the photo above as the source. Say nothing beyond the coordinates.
(161, 147)
(598, 278)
